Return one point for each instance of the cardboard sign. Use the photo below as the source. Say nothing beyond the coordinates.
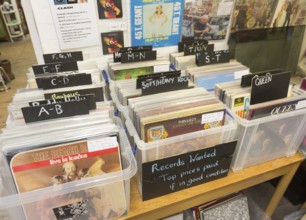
(138, 56)
(97, 92)
(269, 87)
(53, 111)
(117, 55)
(54, 82)
(182, 45)
(207, 58)
(164, 85)
(146, 78)
(193, 49)
(89, 98)
(164, 176)
(55, 68)
(63, 57)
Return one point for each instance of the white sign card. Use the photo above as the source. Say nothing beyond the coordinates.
(75, 22)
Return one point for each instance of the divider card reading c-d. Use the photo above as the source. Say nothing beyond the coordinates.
(75, 23)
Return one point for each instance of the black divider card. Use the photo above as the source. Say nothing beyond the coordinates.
(193, 49)
(54, 82)
(269, 87)
(246, 80)
(53, 111)
(161, 177)
(182, 45)
(146, 78)
(55, 68)
(164, 85)
(138, 56)
(89, 98)
(207, 58)
(117, 55)
(63, 57)
(97, 92)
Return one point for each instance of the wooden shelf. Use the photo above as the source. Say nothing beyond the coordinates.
(176, 202)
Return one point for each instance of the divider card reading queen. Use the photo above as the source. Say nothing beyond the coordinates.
(157, 22)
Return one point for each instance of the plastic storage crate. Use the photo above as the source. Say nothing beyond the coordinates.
(11, 204)
(268, 138)
(146, 152)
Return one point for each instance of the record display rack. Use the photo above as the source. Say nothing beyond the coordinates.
(179, 201)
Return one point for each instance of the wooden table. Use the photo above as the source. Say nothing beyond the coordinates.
(176, 202)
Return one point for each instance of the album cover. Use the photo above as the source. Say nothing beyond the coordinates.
(203, 20)
(109, 9)
(156, 23)
(253, 14)
(112, 42)
(56, 165)
(133, 73)
(181, 124)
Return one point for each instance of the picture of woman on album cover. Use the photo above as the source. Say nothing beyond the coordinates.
(109, 9)
(112, 42)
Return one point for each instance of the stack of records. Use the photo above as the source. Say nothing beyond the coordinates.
(57, 138)
(170, 114)
(262, 94)
(208, 76)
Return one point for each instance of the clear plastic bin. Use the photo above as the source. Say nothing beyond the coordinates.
(268, 138)
(11, 205)
(146, 152)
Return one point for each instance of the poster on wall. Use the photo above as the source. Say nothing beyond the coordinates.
(206, 19)
(253, 14)
(112, 42)
(75, 23)
(157, 23)
(289, 13)
(109, 9)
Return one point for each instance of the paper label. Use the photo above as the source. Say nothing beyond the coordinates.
(301, 104)
(161, 68)
(102, 144)
(216, 116)
(239, 74)
(225, 8)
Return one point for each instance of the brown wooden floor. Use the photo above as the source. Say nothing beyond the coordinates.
(21, 55)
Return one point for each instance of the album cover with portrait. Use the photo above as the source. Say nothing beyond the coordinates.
(112, 42)
(56, 165)
(109, 9)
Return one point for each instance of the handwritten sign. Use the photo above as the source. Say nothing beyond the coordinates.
(89, 98)
(138, 56)
(164, 84)
(54, 82)
(117, 55)
(153, 76)
(207, 58)
(53, 111)
(97, 92)
(193, 49)
(164, 176)
(55, 68)
(182, 45)
(63, 57)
